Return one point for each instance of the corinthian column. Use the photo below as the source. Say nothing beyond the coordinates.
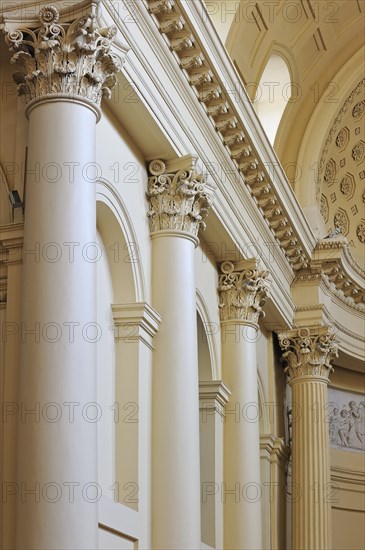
(178, 203)
(307, 357)
(243, 292)
(63, 70)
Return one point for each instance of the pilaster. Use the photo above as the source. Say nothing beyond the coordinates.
(213, 398)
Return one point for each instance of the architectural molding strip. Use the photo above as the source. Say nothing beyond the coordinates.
(201, 75)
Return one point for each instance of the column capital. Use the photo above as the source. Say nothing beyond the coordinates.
(243, 291)
(70, 60)
(308, 352)
(179, 196)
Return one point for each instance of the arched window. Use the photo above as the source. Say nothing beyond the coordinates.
(273, 93)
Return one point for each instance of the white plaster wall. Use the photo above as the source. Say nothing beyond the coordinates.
(122, 165)
(207, 302)
(105, 375)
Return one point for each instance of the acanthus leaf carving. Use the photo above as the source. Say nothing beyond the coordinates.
(243, 291)
(72, 59)
(179, 199)
(308, 352)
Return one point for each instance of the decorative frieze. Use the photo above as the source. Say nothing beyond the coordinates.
(308, 352)
(243, 291)
(70, 59)
(179, 197)
(346, 420)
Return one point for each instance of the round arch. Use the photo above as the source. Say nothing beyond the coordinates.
(116, 229)
(318, 128)
(210, 329)
(274, 91)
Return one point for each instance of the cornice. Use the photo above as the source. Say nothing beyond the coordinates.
(11, 248)
(203, 74)
(135, 322)
(346, 475)
(11, 243)
(215, 391)
(203, 77)
(275, 448)
(339, 271)
(333, 265)
(213, 397)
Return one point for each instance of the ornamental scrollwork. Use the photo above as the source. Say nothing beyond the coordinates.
(66, 59)
(360, 232)
(308, 352)
(179, 200)
(243, 293)
(358, 110)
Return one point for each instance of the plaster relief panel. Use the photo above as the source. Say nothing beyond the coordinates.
(360, 232)
(341, 221)
(324, 208)
(347, 186)
(342, 138)
(330, 172)
(346, 420)
(358, 152)
(358, 110)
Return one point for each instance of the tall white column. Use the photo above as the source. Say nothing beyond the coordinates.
(243, 291)
(178, 202)
(65, 68)
(308, 353)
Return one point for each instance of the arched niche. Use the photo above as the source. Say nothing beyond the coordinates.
(116, 229)
(273, 93)
(120, 284)
(211, 427)
(204, 361)
(207, 331)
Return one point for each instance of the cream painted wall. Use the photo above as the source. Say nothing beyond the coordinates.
(348, 499)
(105, 375)
(123, 167)
(207, 304)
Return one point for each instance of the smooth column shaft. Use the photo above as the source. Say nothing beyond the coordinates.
(57, 455)
(241, 492)
(175, 432)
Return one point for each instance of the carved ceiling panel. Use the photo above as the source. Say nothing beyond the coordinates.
(342, 175)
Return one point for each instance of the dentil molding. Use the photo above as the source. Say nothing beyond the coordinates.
(243, 291)
(71, 59)
(308, 352)
(184, 43)
(179, 197)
